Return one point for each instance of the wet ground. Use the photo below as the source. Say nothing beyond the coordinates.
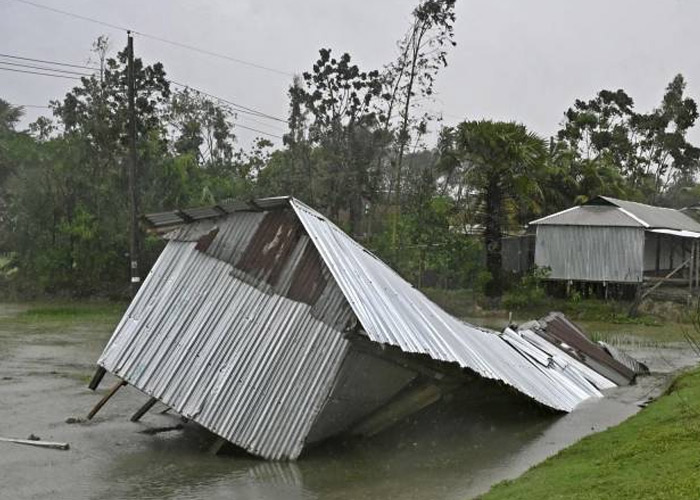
(453, 451)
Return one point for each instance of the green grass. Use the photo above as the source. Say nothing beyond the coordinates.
(653, 455)
(600, 319)
(72, 311)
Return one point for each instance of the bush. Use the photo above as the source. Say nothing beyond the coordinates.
(528, 293)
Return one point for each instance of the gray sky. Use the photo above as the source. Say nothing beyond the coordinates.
(514, 60)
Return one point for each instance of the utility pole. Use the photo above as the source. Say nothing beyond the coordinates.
(133, 188)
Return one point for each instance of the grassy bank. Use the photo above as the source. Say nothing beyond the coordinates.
(653, 455)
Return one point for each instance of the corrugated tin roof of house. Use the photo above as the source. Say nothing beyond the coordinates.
(607, 211)
(656, 217)
(589, 215)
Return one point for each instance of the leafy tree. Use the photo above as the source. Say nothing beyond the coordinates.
(649, 149)
(340, 98)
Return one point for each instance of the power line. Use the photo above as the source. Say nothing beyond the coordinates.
(258, 131)
(213, 54)
(240, 107)
(37, 73)
(56, 70)
(21, 58)
(71, 14)
(156, 38)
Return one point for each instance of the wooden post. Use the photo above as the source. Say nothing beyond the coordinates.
(142, 411)
(658, 254)
(106, 398)
(215, 448)
(690, 268)
(97, 378)
(697, 264)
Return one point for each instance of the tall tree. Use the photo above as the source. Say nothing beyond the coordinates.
(502, 162)
(340, 98)
(422, 53)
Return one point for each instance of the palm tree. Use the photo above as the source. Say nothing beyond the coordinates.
(502, 163)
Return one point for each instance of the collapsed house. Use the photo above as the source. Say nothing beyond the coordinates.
(266, 324)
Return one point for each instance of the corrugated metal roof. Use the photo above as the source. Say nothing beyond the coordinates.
(606, 211)
(392, 311)
(656, 217)
(675, 232)
(226, 348)
(240, 326)
(559, 330)
(589, 215)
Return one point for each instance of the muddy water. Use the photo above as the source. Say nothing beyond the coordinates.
(454, 451)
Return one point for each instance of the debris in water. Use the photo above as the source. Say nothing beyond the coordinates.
(35, 441)
(158, 430)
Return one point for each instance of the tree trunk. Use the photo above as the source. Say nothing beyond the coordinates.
(492, 237)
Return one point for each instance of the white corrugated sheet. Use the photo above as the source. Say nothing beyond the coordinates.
(253, 367)
(392, 311)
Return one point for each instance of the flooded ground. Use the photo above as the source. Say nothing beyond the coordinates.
(454, 451)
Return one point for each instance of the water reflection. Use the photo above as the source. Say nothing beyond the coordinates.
(438, 454)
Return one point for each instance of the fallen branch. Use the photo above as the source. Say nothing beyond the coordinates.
(41, 444)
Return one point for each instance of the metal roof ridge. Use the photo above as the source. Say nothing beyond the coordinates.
(542, 219)
(633, 217)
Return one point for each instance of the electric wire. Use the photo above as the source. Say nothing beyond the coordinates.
(46, 61)
(240, 108)
(56, 70)
(38, 73)
(156, 38)
(62, 73)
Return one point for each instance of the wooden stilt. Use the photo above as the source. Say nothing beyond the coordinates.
(106, 398)
(691, 262)
(142, 411)
(215, 448)
(97, 378)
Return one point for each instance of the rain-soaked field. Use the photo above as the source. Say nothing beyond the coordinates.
(455, 450)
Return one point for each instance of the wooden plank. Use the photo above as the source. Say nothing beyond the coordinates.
(690, 268)
(106, 398)
(399, 408)
(662, 280)
(97, 378)
(142, 411)
(40, 444)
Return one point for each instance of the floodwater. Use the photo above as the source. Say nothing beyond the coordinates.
(454, 450)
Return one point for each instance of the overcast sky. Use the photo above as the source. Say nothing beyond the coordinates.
(515, 60)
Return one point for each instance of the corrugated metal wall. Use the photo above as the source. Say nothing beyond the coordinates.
(588, 253)
(224, 345)
(518, 253)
